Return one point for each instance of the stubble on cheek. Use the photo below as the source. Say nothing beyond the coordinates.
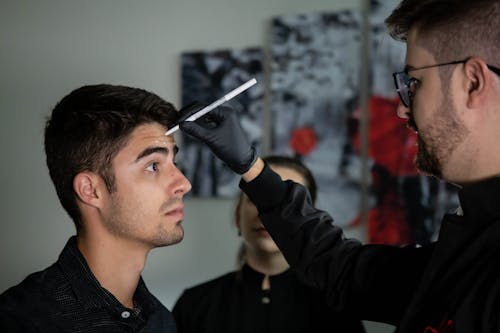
(439, 139)
(142, 223)
(426, 160)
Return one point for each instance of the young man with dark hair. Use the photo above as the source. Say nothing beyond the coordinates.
(114, 172)
(451, 92)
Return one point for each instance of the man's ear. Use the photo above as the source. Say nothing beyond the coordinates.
(478, 79)
(88, 188)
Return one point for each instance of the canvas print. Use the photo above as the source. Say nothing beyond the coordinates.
(206, 77)
(407, 206)
(314, 88)
(314, 70)
(315, 63)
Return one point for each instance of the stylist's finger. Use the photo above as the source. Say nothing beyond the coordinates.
(188, 110)
(221, 131)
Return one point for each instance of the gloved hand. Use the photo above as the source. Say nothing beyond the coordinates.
(221, 131)
(188, 110)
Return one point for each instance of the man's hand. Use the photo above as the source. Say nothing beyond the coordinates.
(221, 131)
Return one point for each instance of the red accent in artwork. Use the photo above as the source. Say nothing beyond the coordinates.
(387, 222)
(303, 140)
(446, 326)
(392, 146)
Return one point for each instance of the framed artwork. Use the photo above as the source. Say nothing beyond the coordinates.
(206, 77)
(407, 206)
(314, 88)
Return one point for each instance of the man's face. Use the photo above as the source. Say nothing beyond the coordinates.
(256, 238)
(147, 205)
(432, 114)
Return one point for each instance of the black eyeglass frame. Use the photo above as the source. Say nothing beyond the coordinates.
(403, 81)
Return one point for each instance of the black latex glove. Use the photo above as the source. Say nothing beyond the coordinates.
(221, 131)
(188, 110)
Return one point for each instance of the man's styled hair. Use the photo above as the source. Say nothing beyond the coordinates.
(89, 126)
(451, 29)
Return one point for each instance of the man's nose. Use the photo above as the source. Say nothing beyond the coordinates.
(182, 184)
(402, 111)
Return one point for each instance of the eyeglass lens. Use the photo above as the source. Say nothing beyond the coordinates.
(401, 79)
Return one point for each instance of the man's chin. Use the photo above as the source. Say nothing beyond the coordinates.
(426, 162)
(428, 165)
(171, 238)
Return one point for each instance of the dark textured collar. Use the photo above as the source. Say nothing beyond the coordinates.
(89, 291)
(254, 277)
(465, 243)
(480, 201)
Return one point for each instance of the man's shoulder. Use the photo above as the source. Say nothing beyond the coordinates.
(22, 303)
(33, 289)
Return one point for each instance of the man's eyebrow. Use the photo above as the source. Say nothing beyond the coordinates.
(152, 150)
(409, 68)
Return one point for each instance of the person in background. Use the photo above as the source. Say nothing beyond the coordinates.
(114, 172)
(450, 88)
(263, 295)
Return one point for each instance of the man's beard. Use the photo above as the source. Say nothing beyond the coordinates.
(125, 222)
(441, 137)
(427, 161)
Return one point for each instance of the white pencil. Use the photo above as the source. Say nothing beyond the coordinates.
(215, 104)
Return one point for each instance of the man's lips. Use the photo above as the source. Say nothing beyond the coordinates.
(177, 212)
(261, 231)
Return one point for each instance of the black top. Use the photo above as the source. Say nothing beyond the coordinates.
(66, 297)
(452, 285)
(235, 302)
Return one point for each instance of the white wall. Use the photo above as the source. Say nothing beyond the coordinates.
(48, 48)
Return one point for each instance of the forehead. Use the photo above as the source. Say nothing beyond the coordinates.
(416, 54)
(144, 136)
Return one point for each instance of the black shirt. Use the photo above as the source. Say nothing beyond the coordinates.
(66, 297)
(235, 302)
(452, 285)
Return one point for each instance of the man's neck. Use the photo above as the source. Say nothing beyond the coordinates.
(115, 263)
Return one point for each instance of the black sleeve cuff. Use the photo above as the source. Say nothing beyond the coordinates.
(266, 191)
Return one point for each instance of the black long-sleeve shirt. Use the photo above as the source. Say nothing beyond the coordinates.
(452, 285)
(66, 297)
(235, 302)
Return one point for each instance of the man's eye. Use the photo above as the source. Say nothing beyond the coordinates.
(153, 167)
(412, 85)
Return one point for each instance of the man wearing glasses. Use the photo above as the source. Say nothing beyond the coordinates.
(450, 89)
